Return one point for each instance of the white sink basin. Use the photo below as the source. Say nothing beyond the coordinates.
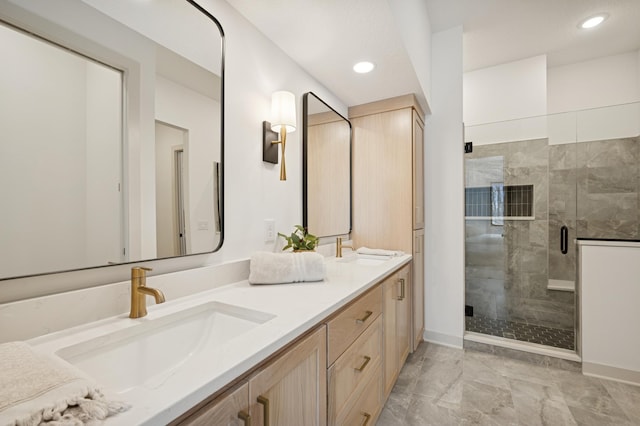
(365, 260)
(148, 353)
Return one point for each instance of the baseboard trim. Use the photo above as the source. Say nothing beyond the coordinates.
(443, 339)
(611, 373)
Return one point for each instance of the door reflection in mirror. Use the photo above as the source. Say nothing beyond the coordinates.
(60, 158)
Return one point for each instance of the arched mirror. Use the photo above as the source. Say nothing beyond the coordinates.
(326, 169)
(112, 123)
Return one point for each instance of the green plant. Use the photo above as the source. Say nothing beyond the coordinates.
(299, 239)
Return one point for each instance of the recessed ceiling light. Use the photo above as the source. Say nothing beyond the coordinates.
(593, 21)
(363, 67)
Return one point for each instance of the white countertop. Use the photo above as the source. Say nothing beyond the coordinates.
(296, 307)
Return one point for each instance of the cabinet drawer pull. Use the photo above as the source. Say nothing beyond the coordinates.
(367, 417)
(265, 402)
(364, 364)
(243, 415)
(365, 317)
(402, 289)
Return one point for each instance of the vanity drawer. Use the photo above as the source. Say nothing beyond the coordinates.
(353, 369)
(366, 409)
(345, 327)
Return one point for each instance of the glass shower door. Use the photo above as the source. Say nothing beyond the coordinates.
(520, 218)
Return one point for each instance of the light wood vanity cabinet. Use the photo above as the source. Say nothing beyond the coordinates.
(388, 185)
(362, 376)
(290, 390)
(417, 144)
(357, 333)
(397, 325)
(417, 287)
(369, 404)
(230, 409)
(339, 374)
(348, 324)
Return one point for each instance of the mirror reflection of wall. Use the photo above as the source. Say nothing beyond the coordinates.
(327, 169)
(79, 112)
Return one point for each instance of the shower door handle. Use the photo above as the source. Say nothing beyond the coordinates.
(564, 239)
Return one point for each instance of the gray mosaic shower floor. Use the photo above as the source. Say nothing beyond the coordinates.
(555, 337)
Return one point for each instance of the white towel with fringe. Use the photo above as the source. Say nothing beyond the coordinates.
(38, 389)
(282, 268)
(379, 252)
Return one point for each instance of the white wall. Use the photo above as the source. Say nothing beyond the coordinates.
(586, 101)
(506, 92)
(255, 68)
(444, 174)
(609, 293)
(592, 100)
(412, 21)
(600, 82)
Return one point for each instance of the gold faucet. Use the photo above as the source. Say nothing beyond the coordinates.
(138, 291)
(340, 246)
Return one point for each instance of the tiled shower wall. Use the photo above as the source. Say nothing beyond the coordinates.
(508, 267)
(609, 189)
(606, 203)
(562, 210)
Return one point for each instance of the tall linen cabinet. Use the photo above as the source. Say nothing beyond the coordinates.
(388, 187)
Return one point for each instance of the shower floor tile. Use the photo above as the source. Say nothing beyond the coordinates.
(555, 337)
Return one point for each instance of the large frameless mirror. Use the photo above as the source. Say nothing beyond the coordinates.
(112, 123)
(326, 169)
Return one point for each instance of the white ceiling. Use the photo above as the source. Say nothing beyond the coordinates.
(326, 37)
(500, 31)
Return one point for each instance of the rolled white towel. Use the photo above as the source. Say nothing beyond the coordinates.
(379, 252)
(281, 268)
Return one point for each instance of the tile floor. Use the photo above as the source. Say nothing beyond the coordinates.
(445, 386)
(555, 337)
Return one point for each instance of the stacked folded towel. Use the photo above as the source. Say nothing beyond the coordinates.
(379, 252)
(40, 389)
(280, 268)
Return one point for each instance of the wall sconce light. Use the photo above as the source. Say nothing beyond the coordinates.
(283, 121)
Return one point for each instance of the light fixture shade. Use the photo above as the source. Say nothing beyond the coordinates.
(283, 111)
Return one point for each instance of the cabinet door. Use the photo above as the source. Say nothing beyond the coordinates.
(418, 172)
(397, 324)
(368, 406)
(231, 409)
(403, 315)
(349, 375)
(292, 390)
(417, 295)
(390, 296)
(382, 169)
